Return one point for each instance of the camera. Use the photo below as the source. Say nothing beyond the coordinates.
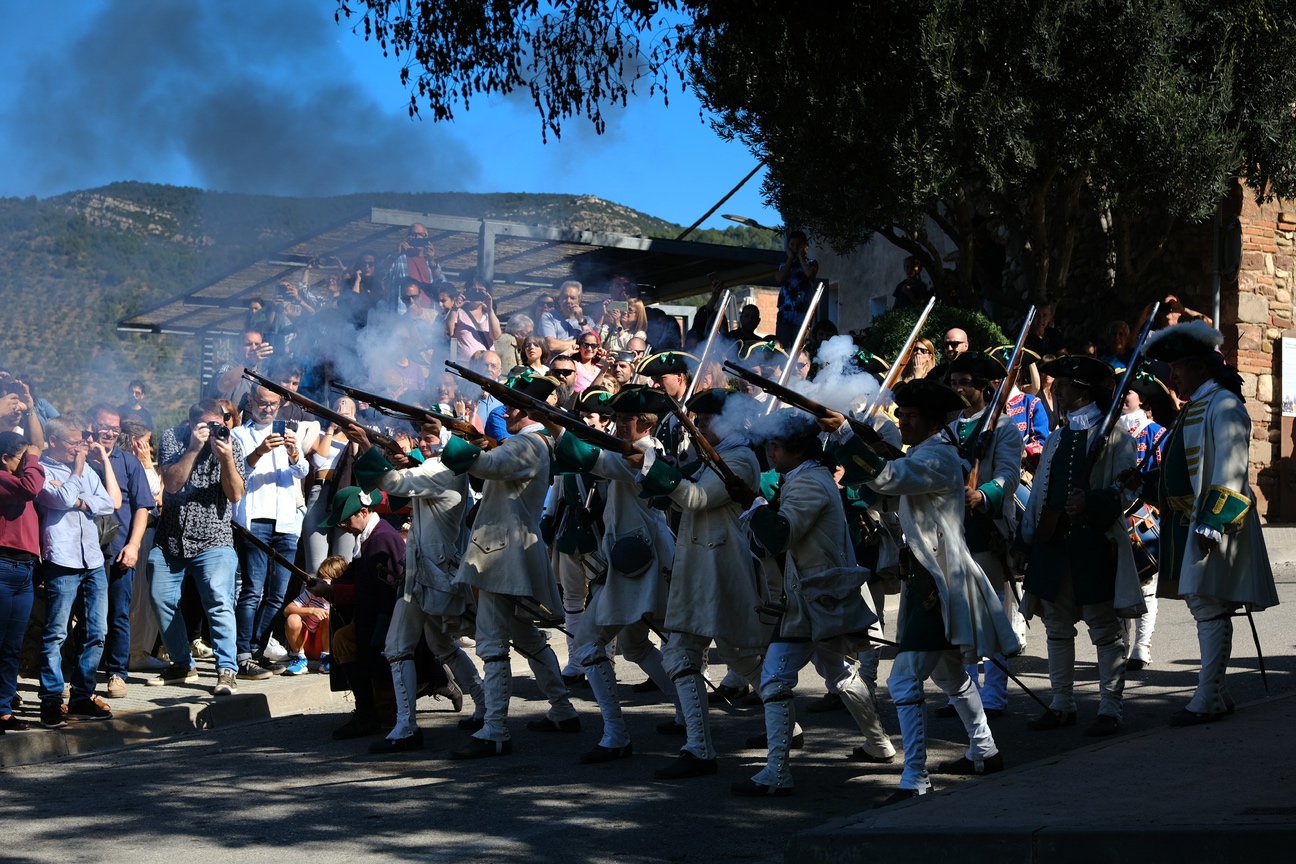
(218, 431)
(416, 242)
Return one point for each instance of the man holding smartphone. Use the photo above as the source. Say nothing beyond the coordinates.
(269, 512)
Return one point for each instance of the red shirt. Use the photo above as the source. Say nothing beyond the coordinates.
(19, 524)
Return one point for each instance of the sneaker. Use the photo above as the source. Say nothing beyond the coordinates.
(174, 674)
(466, 642)
(250, 670)
(53, 715)
(201, 650)
(271, 666)
(225, 684)
(275, 651)
(325, 663)
(14, 723)
(92, 708)
(116, 687)
(296, 666)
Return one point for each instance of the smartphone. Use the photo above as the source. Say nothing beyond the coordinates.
(618, 306)
(278, 427)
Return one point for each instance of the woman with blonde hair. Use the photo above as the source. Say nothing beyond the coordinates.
(921, 361)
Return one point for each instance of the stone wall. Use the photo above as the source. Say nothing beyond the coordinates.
(1254, 310)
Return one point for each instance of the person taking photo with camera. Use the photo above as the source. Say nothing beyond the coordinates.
(203, 475)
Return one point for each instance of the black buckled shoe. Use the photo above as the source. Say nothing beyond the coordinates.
(859, 754)
(1135, 665)
(1103, 725)
(899, 796)
(357, 726)
(826, 702)
(1051, 719)
(388, 746)
(571, 726)
(965, 767)
(670, 727)
(761, 742)
(471, 724)
(452, 693)
(480, 748)
(687, 765)
(601, 754)
(1184, 717)
(752, 789)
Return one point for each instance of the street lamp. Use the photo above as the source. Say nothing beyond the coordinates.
(749, 222)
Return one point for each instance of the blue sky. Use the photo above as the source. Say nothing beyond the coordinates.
(274, 97)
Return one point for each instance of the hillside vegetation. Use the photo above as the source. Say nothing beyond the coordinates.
(72, 266)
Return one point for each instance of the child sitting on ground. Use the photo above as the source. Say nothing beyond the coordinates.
(306, 622)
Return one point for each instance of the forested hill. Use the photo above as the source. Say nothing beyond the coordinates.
(73, 265)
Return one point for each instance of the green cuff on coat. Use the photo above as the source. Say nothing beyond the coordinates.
(575, 454)
(994, 495)
(458, 455)
(770, 481)
(860, 462)
(370, 468)
(661, 479)
(1223, 509)
(771, 529)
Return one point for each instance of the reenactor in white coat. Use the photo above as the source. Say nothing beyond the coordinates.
(508, 564)
(998, 474)
(806, 521)
(431, 605)
(1074, 545)
(714, 588)
(638, 547)
(1212, 551)
(949, 612)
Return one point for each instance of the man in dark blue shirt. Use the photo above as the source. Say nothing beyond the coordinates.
(122, 554)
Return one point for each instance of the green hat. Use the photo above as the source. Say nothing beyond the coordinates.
(536, 386)
(926, 394)
(1085, 371)
(348, 501)
(1194, 340)
(641, 399)
(708, 401)
(979, 365)
(668, 363)
(596, 401)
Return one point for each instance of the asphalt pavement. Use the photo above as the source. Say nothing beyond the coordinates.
(246, 788)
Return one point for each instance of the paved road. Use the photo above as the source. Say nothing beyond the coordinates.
(283, 791)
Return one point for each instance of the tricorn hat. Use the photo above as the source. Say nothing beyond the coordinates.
(1084, 370)
(979, 365)
(536, 386)
(641, 399)
(668, 363)
(928, 394)
(708, 401)
(596, 401)
(1196, 339)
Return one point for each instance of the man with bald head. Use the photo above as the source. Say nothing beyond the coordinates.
(956, 343)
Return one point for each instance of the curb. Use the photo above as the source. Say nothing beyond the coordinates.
(80, 738)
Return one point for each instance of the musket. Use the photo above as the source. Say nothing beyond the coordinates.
(709, 453)
(264, 547)
(981, 445)
(902, 360)
(799, 342)
(1114, 411)
(414, 413)
(538, 409)
(323, 411)
(706, 349)
(796, 400)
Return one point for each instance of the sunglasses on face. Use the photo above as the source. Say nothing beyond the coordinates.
(953, 344)
(590, 345)
(562, 373)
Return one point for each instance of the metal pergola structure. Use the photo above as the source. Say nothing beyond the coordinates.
(518, 260)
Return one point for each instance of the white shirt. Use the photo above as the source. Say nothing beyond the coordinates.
(273, 484)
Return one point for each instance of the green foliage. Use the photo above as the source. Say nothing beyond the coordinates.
(889, 330)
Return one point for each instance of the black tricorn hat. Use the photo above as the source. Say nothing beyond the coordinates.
(668, 363)
(708, 401)
(536, 386)
(926, 394)
(1085, 371)
(596, 401)
(1196, 339)
(641, 399)
(979, 365)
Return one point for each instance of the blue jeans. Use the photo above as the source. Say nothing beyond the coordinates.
(213, 574)
(121, 589)
(262, 590)
(16, 595)
(62, 584)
